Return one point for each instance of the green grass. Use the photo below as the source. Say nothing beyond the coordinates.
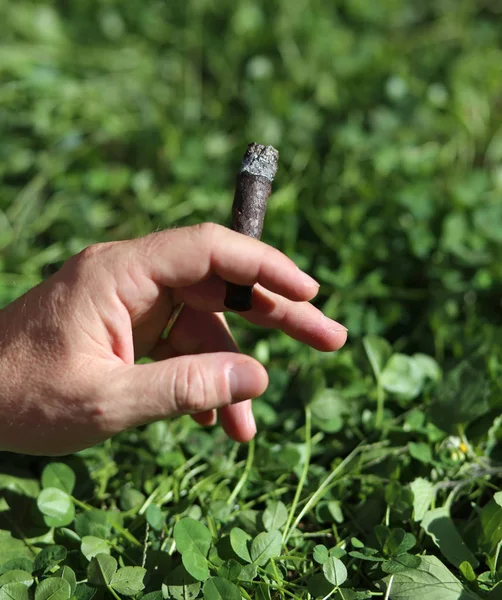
(375, 470)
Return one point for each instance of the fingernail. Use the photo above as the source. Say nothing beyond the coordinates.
(310, 281)
(242, 381)
(251, 421)
(334, 327)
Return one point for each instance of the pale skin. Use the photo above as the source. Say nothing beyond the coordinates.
(67, 347)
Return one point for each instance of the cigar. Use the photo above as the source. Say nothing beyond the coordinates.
(252, 190)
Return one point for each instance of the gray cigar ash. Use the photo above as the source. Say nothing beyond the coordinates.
(252, 191)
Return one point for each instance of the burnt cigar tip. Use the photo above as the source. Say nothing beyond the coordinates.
(260, 160)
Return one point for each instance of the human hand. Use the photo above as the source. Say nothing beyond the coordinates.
(68, 346)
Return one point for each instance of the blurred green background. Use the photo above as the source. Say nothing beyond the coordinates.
(119, 118)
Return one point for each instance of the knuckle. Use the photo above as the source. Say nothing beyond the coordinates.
(282, 314)
(90, 252)
(193, 389)
(208, 230)
(86, 258)
(101, 415)
(151, 244)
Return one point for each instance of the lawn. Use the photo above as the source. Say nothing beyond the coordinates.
(376, 469)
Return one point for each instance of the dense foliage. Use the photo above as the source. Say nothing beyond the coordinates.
(375, 470)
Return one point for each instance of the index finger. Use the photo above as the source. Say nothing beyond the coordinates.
(183, 257)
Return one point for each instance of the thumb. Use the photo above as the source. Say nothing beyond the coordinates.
(184, 385)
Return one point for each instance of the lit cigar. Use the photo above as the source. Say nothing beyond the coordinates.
(253, 188)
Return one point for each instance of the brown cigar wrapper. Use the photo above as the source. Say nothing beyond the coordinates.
(252, 192)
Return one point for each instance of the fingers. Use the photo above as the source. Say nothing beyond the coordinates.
(300, 320)
(238, 421)
(197, 333)
(206, 418)
(185, 385)
(186, 256)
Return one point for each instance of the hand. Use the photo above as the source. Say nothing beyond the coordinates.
(68, 346)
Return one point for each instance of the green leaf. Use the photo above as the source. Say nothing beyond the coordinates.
(92, 546)
(335, 510)
(93, 522)
(220, 510)
(68, 574)
(401, 562)
(402, 377)
(421, 452)
(14, 591)
(321, 554)
(439, 525)
(21, 564)
(262, 591)
(400, 498)
(128, 580)
(56, 506)
(239, 541)
(13, 549)
(429, 367)
(329, 408)
(193, 540)
(378, 351)
(248, 572)
(16, 576)
(398, 541)
(180, 585)
(335, 571)
(101, 569)
(196, 564)
(49, 557)
(58, 475)
(131, 499)
(84, 592)
(19, 485)
(153, 596)
(275, 515)
(368, 557)
(491, 526)
(53, 588)
(266, 545)
(67, 536)
(318, 586)
(423, 496)
(217, 588)
(190, 534)
(430, 581)
(155, 517)
(467, 571)
(462, 397)
(230, 569)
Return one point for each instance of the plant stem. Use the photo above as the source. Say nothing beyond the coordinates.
(113, 592)
(244, 593)
(245, 473)
(389, 587)
(321, 489)
(303, 476)
(496, 559)
(380, 406)
(127, 534)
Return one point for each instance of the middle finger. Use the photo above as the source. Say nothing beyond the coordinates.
(300, 320)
